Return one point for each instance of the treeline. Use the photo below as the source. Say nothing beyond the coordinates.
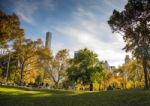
(29, 63)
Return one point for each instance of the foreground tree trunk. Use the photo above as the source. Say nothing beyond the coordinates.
(145, 73)
(91, 87)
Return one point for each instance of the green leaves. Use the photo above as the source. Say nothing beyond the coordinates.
(85, 65)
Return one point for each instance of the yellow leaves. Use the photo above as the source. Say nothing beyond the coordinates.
(31, 71)
(30, 76)
(9, 28)
(131, 74)
(48, 81)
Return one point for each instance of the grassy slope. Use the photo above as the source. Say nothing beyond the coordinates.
(25, 97)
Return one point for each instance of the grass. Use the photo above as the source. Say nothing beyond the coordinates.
(10, 96)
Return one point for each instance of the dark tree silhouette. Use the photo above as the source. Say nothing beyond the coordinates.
(133, 23)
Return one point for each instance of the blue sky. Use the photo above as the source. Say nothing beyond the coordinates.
(75, 24)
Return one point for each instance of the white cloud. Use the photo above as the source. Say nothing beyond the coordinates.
(27, 9)
(115, 4)
(86, 30)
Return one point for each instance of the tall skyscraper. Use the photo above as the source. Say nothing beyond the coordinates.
(48, 40)
(127, 59)
(106, 65)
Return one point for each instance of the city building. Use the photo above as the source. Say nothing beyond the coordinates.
(48, 40)
(127, 59)
(108, 67)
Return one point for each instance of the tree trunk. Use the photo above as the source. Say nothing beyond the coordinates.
(99, 87)
(149, 79)
(7, 71)
(56, 84)
(21, 75)
(145, 73)
(134, 84)
(91, 86)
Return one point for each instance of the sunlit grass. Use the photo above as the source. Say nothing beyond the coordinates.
(15, 91)
(10, 96)
(36, 92)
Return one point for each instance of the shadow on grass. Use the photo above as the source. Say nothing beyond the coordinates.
(34, 97)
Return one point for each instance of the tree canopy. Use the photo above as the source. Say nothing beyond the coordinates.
(85, 65)
(133, 23)
(9, 28)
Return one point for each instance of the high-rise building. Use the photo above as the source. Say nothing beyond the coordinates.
(48, 40)
(127, 59)
(106, 65)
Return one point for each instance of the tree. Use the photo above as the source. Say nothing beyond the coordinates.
(134, 71)
(131, 74)
(133, 23)
(85, 65)
(98, 77)
(12, 67)
(45, 56)
(57, 66)
(26, 52)
(9, 28)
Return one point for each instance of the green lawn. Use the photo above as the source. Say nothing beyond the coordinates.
(10, 96)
